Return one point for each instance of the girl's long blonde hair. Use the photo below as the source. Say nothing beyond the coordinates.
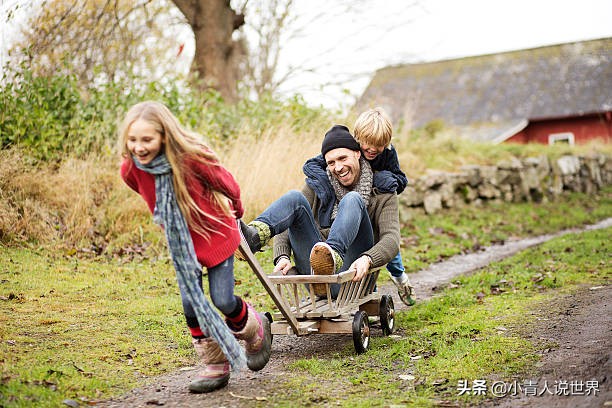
(178, 144)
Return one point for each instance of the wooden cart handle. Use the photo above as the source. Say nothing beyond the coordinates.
(267, 284)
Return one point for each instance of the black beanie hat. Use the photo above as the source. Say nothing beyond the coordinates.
(336, 137)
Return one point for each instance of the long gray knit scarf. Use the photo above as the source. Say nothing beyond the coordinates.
(168, 214)
(363, 186)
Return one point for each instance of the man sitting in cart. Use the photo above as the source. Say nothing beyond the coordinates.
(337, 222)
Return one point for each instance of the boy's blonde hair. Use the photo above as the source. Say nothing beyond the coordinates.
(178, 144)
(373, 127)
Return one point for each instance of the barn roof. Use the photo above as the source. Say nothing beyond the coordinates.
(497, 92)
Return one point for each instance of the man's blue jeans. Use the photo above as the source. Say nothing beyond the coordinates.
(350, 235)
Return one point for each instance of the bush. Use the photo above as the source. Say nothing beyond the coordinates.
(51, 116)
(38, 113)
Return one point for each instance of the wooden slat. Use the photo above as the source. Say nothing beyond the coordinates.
(296, 299)
(335, 312)
(282, 327)
(351, 294)
(341, 294)
(336, 327)
(339, 278)
(362, 286)
(279, 289)
(371, 307)
(342, 325)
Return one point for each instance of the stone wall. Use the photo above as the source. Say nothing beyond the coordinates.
(533, 179)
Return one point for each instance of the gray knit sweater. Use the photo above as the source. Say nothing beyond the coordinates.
(384, 215)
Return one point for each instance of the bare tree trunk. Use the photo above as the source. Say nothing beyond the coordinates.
(217, 54)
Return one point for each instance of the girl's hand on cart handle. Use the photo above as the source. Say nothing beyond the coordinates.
(283, 265)
(361, 267)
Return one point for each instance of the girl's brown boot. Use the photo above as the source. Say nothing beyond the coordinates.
(216, 371)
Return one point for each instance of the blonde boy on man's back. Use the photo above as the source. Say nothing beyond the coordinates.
(373, 131)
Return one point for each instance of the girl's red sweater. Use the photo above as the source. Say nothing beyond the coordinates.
(225, 238)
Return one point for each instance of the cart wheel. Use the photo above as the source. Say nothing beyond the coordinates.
(269, 317)
(361, 331)
(387, 314)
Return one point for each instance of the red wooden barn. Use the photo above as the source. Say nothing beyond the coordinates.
(565, 129)
(554, 94)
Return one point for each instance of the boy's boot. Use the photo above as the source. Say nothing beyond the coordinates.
(404, 289)
(216, 371)
(258, 338)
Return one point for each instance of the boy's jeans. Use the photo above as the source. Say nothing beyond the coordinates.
(396, 266)
(350, 235)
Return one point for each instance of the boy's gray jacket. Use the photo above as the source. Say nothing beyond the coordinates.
(384, 215)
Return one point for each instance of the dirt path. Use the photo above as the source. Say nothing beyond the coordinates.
(247, 387)
(574, 332)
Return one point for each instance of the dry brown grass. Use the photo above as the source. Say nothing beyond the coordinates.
(65, 204)
(270, 166)
(24, 210)
(84, 203)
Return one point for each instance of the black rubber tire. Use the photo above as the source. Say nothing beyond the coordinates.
(387, 314)
(269, 317)
(361, 332)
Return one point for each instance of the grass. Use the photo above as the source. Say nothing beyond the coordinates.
(71, 326)
(464, 334)
(87, 328)
(442, 235)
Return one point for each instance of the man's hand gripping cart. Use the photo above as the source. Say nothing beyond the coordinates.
(301, 312)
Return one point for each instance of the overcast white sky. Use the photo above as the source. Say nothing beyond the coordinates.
(347, 47)
(390, 32)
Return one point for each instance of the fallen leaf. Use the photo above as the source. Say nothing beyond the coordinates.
(248, 398)
(439, 381)
(436, 231)
(187, 368)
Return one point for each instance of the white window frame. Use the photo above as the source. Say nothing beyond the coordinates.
(561, 137)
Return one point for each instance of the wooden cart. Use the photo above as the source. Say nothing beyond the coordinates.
(301, 312)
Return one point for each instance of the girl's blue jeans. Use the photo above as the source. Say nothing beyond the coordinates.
(350, 235)
(220, 287)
